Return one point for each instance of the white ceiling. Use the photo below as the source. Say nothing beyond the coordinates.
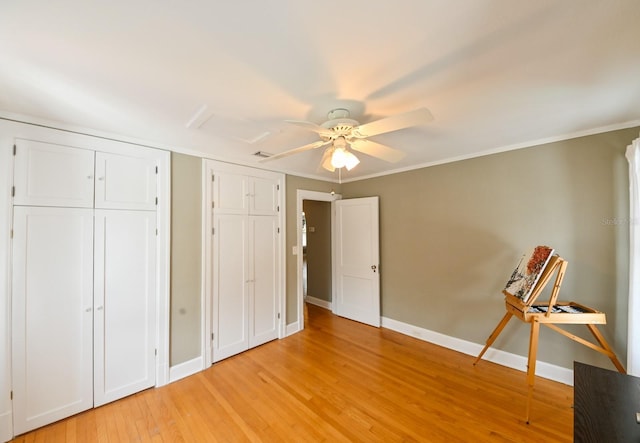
(496, 74)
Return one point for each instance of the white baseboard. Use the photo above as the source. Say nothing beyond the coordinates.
(318, 302)
(185, 369)
(545, 370)
(6, 426)
(292, 328)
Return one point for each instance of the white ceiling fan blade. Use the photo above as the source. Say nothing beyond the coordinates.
(308, 147)
(311, 127)
(377, 150)
(418, 117)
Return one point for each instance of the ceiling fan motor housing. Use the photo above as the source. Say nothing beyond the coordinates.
(339, 123)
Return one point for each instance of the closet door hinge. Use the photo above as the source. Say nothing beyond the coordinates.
(12, 233)
(213, 231)
(156, 231)
(277, 187)
(213, 204)
(11, 395)
(278, 230)
(156, 169)
(212, 336)
(278, 208)
(278, 316)
(156, 201)
(14, 149)
(156, 351)
(212, 177)
(13, 191)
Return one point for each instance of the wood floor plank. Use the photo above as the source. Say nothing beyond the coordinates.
(335, 381)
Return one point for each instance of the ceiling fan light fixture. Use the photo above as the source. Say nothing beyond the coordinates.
(342, 158)
(326, 160)
(339, 158)
(351, 161)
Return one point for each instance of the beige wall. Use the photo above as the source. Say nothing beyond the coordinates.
(318, 255)
(293, 184)
(450, 235)
(186, 250)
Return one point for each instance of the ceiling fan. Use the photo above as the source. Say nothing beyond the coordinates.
(342, 134)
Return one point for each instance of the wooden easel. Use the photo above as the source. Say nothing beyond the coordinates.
(550, 314)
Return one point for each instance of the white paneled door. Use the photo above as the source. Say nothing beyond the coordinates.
(245, 257)
(124, 300)
(241, 194)
(245, 274)
(263, 272)
(52, 314)
(263, 193)
(48, 174)
(357, 260)
(230, 193)
(231, 280)
(126, 181)
(84, 319)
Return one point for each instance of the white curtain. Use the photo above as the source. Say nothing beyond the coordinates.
(633, 340)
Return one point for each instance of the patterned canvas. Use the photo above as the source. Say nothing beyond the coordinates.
(525, 276)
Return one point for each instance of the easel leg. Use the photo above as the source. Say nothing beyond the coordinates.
(596, 333)
(531, 366)
(496, 332)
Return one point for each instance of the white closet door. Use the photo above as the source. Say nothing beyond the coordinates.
(53, 175)
(126, 181)
(231, 281)
(125, 313)
(263, 299)
(51, 314)
(264, 196)
(230, 193)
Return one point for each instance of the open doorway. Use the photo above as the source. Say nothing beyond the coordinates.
(314, 233)
(316, 252)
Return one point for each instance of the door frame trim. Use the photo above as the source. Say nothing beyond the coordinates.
(301, 195)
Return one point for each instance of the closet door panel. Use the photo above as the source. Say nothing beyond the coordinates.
(51, 314)
(126, 181)
(264, 196)
(230, 276)
(230, 193)
(125, 313)
(47, 174)
(263, 307)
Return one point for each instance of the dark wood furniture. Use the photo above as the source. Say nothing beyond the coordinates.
(605, 405)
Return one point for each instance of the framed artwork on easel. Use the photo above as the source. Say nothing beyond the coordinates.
(535, 269)
(526, 275)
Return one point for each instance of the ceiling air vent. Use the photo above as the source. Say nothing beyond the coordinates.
(262, 154)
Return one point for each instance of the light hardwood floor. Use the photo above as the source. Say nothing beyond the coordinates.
(336, 381)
